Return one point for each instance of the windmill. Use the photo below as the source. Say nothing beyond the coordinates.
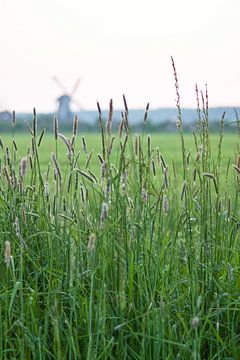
(64, 101)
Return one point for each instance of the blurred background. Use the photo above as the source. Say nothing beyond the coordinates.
(61, 56)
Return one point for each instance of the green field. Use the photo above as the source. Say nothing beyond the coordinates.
(169, 145)
(125, 254)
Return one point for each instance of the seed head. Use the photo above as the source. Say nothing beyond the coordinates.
(46, 189)
(104, 214)
(83, 193)
(111, 146)
(230, 272)
(7, 176)
(144, 196)
(195, 322)
(17, 227)
(84, 145)
(104, 169)
(110, 116)
(165, 177)
(7, 253)
(91, 242)
(75, 125)
(124, 181)
(108, 189)
(89, 159)
(23, 167)
(153, 168)
(66, 142)
(146, 113)
(165, 204)
(121, 126)
(15, 145)
(125, 105)
(13, 118)
(56, 167)
(149, 146)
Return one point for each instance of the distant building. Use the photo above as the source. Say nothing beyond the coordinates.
(64, 112)
(5, 116)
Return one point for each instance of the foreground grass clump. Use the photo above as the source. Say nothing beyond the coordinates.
(135, 258)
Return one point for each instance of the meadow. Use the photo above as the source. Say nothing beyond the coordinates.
(167, 143)
(120, 246)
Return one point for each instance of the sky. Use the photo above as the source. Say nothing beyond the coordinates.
(118, 47)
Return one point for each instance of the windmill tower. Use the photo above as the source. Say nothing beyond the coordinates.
(64, 112)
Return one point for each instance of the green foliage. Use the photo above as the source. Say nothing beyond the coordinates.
(120, 250)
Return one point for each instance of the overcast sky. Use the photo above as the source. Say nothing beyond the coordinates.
(116, 47)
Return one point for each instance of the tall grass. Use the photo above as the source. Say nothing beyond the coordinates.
(139, 260)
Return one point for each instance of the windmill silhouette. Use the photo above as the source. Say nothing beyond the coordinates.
(64, 112)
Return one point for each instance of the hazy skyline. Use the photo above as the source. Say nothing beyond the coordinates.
(118, 47)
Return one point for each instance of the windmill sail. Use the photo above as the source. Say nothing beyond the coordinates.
(64, 112)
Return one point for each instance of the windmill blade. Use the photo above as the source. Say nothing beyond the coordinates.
(62, 87)
(75, 86)
(79, 106)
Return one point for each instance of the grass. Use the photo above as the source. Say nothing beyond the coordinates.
(134, 255)
(168, 144)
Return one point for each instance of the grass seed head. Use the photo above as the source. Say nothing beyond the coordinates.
(15, 145)
(183, 190)
(100, 158)
(75, 125)
(195, 322)
(111, 146)
(149, 146)
(13, 118)
(108, 189)
(124, 181)
(7, 176)
(84, 145)
(165, 204)
(7, 253)
(125, 105)
(83, 195)
(89, 159)
(14, 179)
(197, 98)
(179, 120)
(121, 126)
(41, 137)
(34, 125)
(66, 142)
(237, 169)
(91, 242)
(8, 161)
(144, 196)
(165, 177)
(17, 230)
(230, 272)
(56, 167)
(104, 214)
(104, 169)
(17, 227)
(23, 167)
(110, 116)
(146, 113)
(153, 168)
